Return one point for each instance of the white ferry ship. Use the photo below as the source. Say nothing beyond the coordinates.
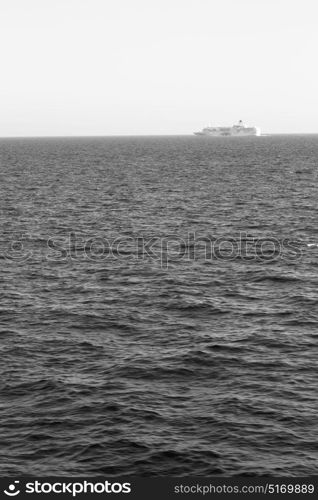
(239, 130)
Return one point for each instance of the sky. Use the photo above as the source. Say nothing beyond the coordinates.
(130, 67)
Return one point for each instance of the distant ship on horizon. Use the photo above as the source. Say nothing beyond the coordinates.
(238, 130)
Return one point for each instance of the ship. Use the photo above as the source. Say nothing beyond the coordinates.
(238, 130)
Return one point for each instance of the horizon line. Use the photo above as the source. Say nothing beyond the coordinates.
(73, 136)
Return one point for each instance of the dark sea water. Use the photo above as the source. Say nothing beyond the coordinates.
(126, 348)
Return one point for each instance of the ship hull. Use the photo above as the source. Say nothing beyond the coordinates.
(227, 134)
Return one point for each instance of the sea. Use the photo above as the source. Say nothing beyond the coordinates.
(159, 306)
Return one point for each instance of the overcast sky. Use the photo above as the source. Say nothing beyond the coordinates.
(112, 67)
